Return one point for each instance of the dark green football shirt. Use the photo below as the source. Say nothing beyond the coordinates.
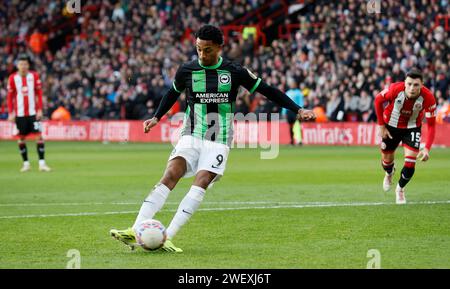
(211, 95)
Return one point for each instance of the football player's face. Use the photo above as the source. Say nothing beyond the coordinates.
(413, 87)
(208, 52)
(23, 66)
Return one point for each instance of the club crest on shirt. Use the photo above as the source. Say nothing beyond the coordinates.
(417, 106)
(406, 112)
(224, 78)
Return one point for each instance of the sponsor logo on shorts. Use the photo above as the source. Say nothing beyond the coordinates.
(383, 145)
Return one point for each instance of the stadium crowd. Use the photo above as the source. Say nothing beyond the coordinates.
(122, 56)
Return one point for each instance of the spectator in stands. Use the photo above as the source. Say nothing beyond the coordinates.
(113, 44)
(335, 107)
(365, 107)
(296, 95)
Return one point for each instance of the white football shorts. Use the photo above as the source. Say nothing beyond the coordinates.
(201, 155)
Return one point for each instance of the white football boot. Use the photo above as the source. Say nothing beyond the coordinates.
(26, 167)
(400, 198)
(387, 182)
(44, 168)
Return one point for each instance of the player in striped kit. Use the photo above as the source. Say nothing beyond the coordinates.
(25, 108)
(211, 86)
(401, 121)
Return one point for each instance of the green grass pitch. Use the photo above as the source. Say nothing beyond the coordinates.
(312, 207)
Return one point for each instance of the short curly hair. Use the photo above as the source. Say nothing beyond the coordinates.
(415, 73)
(23, 56)
(210, 32)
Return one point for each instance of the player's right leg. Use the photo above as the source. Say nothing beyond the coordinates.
(387, 162)
(405, 175)
(388, 147)
(190, 203)
(211, 166)
(21, 125)
(24, 153)
(176, 169)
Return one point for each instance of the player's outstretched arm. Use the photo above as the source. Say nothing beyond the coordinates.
(283, 100)
(149, 124)
(166, 103)
(305, 114)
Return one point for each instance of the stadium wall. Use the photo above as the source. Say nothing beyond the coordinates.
(342, 133)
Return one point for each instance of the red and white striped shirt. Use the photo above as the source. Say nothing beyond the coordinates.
(24, 94)
(405, 113)
(402, 112)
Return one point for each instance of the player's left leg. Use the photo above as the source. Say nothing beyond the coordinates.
(411, 143)
(405, 175)
(175, 170)
(182, 161)
(40, 146)
(211, 166)
(190, 203)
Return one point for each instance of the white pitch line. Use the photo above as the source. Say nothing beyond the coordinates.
(139, 203)
(63, 204)
(299, 206)
(67, 215)
(60, 204)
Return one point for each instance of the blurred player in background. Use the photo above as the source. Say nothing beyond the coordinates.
(25, 109)
(211, 85)
(296, 95)
(400, 121)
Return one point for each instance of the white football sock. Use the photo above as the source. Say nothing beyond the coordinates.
(186, 209)
(41, 162)
(153, 203)
(26, 163)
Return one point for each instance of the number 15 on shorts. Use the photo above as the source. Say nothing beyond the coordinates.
(415, 137)
(37, 126)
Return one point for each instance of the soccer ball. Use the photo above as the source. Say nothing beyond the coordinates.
(151, 234)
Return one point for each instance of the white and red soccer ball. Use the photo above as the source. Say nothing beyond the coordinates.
(151, 234)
